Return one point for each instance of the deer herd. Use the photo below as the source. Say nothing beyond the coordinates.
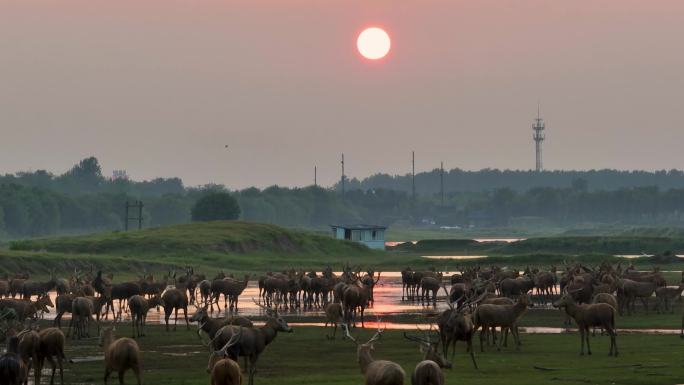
(491, 300)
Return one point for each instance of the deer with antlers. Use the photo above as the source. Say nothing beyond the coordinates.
(223, 370)
(456, 324)
(428, 371)
(375, 372)
(253, 341)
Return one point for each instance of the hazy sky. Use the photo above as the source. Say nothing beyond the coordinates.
(159, 87)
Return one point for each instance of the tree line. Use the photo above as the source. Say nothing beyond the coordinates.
(83, 200)
(457, 180)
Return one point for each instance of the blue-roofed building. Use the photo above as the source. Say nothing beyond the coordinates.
(370, 235)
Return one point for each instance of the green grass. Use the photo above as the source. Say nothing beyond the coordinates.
(224, 237)
(253, 247)
(238, 246)
(406, 234)
(306, 357)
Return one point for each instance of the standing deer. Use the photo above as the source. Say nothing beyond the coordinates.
(231, 290)
(503, 316)
(333, 316)
(253, 341)
(665, 297)
(370, 281)
(205, 291)
(29, 345)
(31, 288)
(82, 310)
(587, 315)
(139, 306)
(430, 285)
(456, 324)
(173, 299)
(25, 308)
(120, 355)
(52, 342)
(375, 372)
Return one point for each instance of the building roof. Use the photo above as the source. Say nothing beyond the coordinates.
(360, 227)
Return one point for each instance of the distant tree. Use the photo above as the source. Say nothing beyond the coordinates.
(216, 205)
(580, 184)
(169, 209)
(86, 176)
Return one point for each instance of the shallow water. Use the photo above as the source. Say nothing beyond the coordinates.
(387, 294)
(388, 302)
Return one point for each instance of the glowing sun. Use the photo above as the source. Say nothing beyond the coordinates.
(373, 43)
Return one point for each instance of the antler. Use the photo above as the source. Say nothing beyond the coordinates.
(415, 339)
(346, 333)
(377, 334)
(232, 341)
(268, 309)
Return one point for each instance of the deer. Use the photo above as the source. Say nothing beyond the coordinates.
(375, 372)
(231, 290)
(333, 316)
(607, 299)
(29, 344)
(545, 283)
(492, 299)
(212, 325)
(223, 370)
(253, 341)
(120, 355)
(428, 371)
(370, 281)
(13, 371)
(430, 285)
(205, 291)
(31, 288)
(456, 324)
(4, 288)
(51, 347)
(27, 308)
(504, 316)
(513, 287)
(587, 315)
(173, 299)
(629, 291)
(82, 310)
(355, 299)
(139, 306)
(665, 295)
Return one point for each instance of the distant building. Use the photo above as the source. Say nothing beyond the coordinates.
(119, 174)
(370, 235)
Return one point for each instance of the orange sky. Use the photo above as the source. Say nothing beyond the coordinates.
(159, 87)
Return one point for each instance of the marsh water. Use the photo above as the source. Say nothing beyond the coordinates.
(389, 307)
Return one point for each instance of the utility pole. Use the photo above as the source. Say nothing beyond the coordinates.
(315, 177)
(137, 204)
(441, 181)
(342, 176)
(413, 174)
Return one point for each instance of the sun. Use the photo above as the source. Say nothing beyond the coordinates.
(373, 43)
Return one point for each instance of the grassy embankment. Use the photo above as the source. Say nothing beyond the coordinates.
(306, 357)
(210, 246)
(252, 247)
(548, 251)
